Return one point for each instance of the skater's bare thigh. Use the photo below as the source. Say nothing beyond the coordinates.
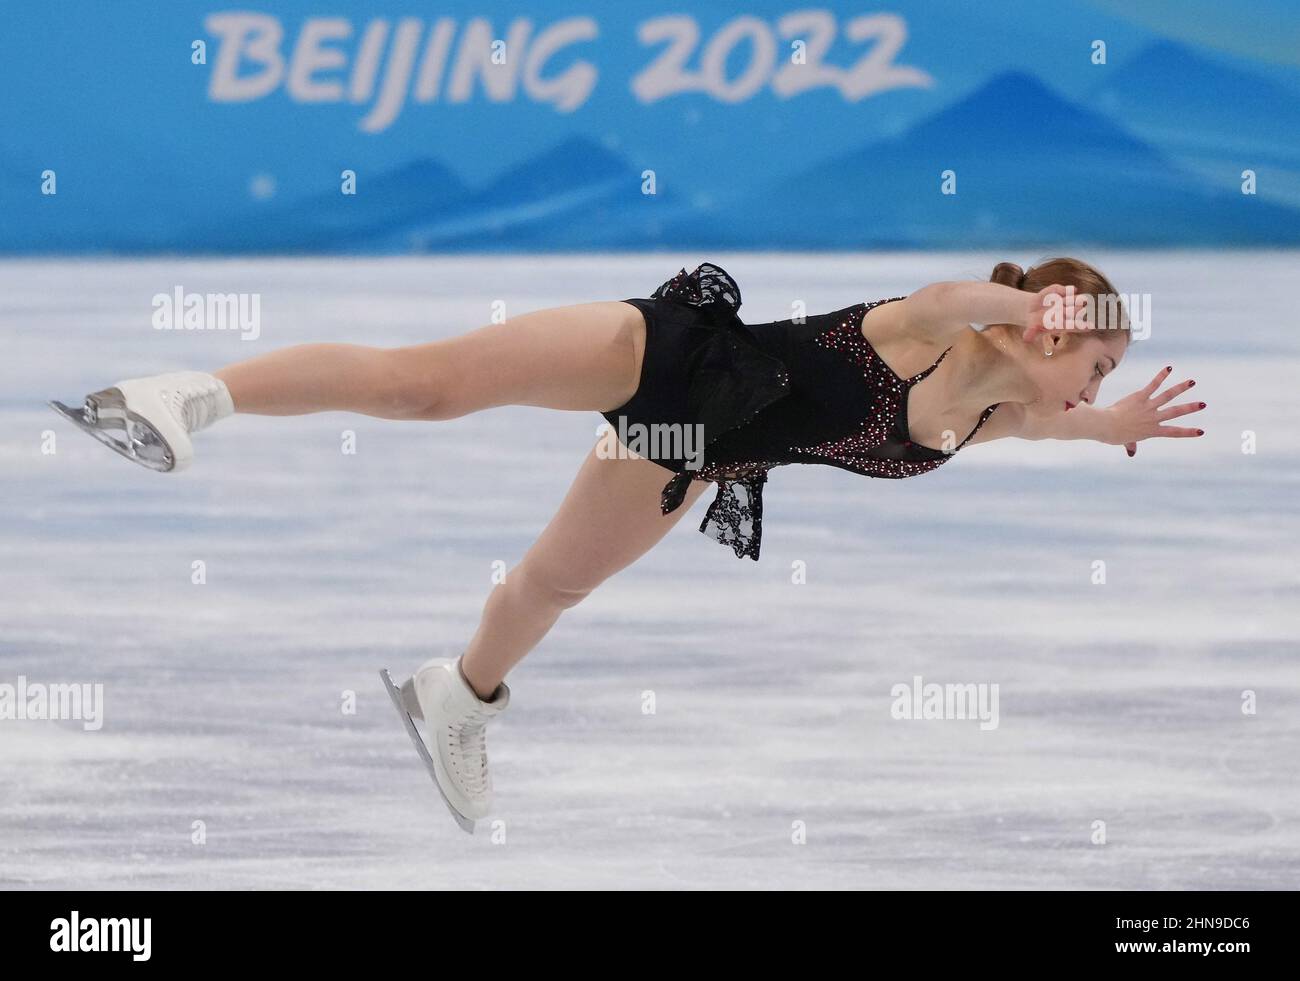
(609, 518)
(582, 357)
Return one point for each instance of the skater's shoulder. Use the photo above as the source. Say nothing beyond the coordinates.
(898, 338)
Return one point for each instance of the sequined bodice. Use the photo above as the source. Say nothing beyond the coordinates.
(820, 394)
(846, 407)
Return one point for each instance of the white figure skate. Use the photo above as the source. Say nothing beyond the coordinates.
(149, 420)
(454, 718)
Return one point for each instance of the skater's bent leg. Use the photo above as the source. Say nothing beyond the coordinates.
(609, 518)
(583, 357)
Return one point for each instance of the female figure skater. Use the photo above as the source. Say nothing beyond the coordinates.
(883, 389)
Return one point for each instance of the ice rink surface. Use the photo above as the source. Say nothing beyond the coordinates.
(225, 702)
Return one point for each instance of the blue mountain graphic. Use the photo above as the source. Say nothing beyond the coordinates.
(1210, 118)
(332, 221)
(575, 195)
(1030, 167)
(1175, 97)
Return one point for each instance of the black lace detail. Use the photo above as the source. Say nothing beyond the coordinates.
(735, 518)
(674, 493)
(705, 286)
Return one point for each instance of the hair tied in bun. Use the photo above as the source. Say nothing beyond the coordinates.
(1008, 274)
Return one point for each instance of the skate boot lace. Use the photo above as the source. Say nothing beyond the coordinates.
(195, 407)
(468, 751)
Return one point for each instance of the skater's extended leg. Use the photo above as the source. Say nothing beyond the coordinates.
(609, 518)
(583, 357)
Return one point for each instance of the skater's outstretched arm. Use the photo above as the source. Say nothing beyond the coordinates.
(1141, 415)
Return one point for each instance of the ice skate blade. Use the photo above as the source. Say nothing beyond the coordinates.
(410, 701)
(121, 430)
(396, 694)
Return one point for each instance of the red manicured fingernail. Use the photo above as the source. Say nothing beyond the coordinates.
(1200, 432)
(1130, 452)
(1191, 383)
(1169, 367)
(1202, 405)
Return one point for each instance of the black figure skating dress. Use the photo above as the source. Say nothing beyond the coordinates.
(763, 396)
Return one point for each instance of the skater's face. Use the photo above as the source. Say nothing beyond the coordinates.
(1079, 362)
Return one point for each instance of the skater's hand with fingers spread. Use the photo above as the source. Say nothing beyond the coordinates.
(1056, 307)
(1140, 416)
